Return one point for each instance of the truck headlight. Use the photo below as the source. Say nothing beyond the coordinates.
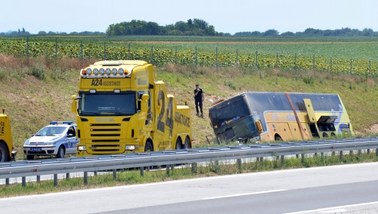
(82, 148)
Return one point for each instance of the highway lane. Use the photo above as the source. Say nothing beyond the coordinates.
(282, 191)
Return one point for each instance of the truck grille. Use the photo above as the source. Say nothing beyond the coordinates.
(106, 138)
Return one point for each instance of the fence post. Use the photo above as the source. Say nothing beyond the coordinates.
(176, 55)
(81, 50)
(56, 47)
(237, 57)
(256, 59)
(152, 55)
(351, 66)
(276, 65)
(313, 62)
(104, 50)
(128, 51)
(27, 49)
(295, 61)
(216, 57)
(196, 56)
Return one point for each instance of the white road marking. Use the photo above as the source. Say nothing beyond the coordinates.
(244, 194)
(340, 209)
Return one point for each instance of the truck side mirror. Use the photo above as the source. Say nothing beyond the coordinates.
(144, 103)
(74, 104)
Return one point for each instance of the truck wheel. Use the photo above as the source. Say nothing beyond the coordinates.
(61, 152)
(188, 144)
(4, 154)
(29, 157)
(178, 144)
(148, 147)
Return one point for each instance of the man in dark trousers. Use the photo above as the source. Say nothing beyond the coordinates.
(198, 99)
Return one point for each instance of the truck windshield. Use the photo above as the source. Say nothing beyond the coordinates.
(107, 103)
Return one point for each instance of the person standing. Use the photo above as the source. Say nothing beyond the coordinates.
(198, 100)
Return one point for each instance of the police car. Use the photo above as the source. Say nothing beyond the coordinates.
(57, 139)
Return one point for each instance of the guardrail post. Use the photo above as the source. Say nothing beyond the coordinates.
(351, 152)
(376, 151)
(302, 158)
(368, 151)
(341, 155)
(38, 178)
(95, 173)
(55, 180)
(282, 160)
(6, 181)
(23, 181)
(114, 174)
(194, 168)
(85, 178)
(142, 171)
(67, 176)
(239, 163)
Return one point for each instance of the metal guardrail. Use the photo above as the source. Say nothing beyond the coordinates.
(166, 158)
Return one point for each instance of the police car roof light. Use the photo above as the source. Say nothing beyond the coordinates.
(61, 122)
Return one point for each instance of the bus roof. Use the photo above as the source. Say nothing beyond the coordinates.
(265, 101)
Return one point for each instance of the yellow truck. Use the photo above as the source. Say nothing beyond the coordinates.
(120, 107)
(6, 144)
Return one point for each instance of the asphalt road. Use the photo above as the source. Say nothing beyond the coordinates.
(337, 189)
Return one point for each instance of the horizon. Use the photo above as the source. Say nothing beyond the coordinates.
(226, 16)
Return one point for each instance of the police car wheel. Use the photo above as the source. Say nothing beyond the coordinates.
(61, 152)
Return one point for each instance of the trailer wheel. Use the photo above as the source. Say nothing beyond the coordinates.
(148, 147)
(179, 143)
(188, 143)
(4, 154)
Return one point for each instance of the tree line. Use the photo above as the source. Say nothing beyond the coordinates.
(197, 27)
(192, 27)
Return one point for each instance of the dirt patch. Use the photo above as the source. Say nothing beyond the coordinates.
(373, 129)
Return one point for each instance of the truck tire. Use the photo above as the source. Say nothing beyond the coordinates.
(148, 147)
(188, 144)
(179, 144)
(4, 153)
(61, 152)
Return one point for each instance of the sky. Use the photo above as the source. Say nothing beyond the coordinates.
(229, 16)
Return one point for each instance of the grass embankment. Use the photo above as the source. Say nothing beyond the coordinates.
(129, 177)
(38, 91)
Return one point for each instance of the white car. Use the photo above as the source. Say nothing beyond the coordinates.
(57, 139)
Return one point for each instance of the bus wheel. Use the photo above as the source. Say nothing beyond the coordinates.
(188, 144)
(148, 147)
(277, 137)
(29, 157)
(178, 143)
(4, 154)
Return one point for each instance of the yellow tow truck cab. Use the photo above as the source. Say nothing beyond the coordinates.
(6, 143)
(120, 107)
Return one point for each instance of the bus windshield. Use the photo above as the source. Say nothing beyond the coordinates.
(229, 111)
(107, 103)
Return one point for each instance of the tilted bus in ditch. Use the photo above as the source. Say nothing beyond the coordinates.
(121, 107)
(278, 116)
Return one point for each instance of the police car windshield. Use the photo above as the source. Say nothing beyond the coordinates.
(107, 103)
(51, 131)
